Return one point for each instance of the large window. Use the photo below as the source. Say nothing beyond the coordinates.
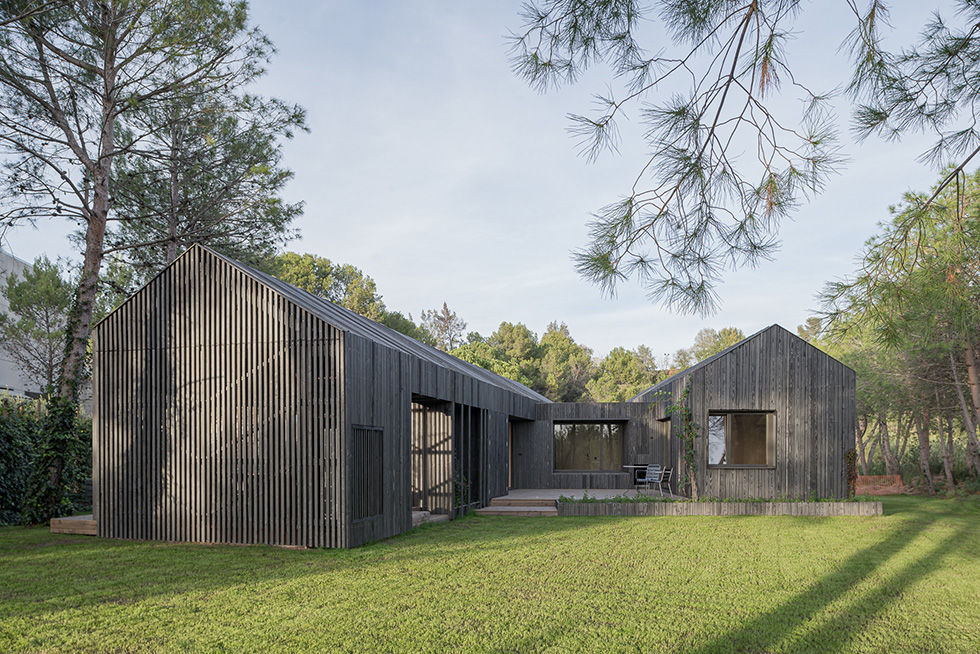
(589, 446)
(742, 439)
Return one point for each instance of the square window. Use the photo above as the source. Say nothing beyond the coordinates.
(742, 439)
(589, 446)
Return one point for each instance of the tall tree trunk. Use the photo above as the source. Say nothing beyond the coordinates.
(973, 444)
(973, 457)
(973, 378)
(874, 445)
(48, 493)
(946, 443)
(922, 430)
(862, 437)
(887, 453)
(902, 442)
(79, 327)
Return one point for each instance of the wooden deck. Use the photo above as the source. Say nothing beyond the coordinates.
(543, 502)
(76, 524)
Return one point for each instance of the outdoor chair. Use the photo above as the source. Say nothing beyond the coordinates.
(653, 475)
(665, 479)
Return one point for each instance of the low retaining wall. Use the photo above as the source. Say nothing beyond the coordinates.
(720, 508)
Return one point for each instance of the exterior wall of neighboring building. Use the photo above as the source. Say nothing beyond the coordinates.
(11, 379)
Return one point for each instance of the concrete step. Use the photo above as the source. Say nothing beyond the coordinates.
(527, 511)
(511, 501)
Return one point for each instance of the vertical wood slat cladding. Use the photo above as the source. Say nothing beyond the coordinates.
(812, 396)
(215, 402)
(225, 401)
(432, 457)
(367, 467)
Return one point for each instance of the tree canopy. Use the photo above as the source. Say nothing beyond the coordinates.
(33, 333)
(726, 163)
(908, 322)
(75, 81)
(446, 326)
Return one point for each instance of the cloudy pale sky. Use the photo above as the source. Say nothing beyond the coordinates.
(431, 167)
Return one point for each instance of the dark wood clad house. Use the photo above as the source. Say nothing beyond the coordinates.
(776, 416)
(231, 407)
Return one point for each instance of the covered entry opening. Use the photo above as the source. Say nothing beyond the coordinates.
(432, 455)
(469, 488)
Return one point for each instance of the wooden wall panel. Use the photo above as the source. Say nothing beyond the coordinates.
(217, 406)
(812, 396)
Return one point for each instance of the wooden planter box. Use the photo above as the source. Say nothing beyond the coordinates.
(719, 508)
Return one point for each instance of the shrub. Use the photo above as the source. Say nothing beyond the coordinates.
(22, 439)
(20, 433)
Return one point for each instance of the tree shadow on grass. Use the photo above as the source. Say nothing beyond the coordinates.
(767, 631)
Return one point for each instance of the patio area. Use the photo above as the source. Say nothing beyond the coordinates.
(543, 502)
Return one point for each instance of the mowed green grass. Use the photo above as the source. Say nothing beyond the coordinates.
(905, 582)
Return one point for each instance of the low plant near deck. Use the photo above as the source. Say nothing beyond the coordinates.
(615, 499)
(900, 583)
(704, 499)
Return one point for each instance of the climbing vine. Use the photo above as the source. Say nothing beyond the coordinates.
(850, 458)
(687, 434)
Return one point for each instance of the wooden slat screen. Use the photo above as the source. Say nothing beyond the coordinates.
(367, 472)
(218, 414)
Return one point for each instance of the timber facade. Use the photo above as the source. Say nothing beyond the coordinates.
(801, 399)
(231, 407)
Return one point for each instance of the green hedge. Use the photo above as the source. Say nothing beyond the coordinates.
(22, 424)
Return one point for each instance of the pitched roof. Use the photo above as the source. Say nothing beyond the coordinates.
(348, 321)
(701, 364)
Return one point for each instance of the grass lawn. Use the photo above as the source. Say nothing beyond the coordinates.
(905, 582)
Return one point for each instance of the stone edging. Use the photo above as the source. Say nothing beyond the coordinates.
(719, 508)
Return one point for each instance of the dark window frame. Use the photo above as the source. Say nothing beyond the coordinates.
(771, 430)
(595, 471)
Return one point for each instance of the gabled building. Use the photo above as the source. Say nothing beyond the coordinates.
(231, 407)
(776, 417)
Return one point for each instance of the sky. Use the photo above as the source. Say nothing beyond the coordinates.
(434, 169)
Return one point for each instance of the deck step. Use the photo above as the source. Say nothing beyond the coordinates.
(78, 524)
(526, 510)
(516, 501)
